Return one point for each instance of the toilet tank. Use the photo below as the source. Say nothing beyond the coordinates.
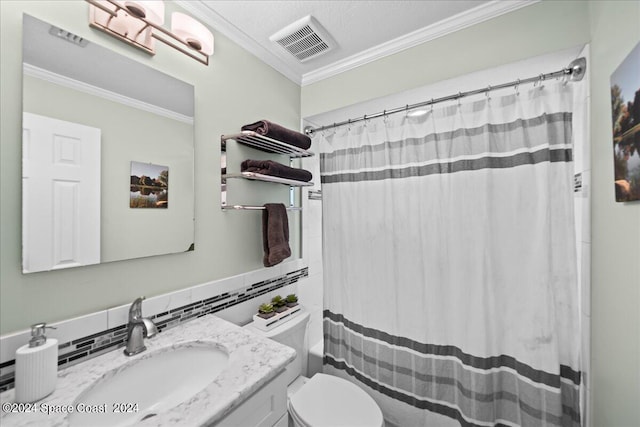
(291, 333)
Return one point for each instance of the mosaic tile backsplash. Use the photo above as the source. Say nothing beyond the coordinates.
(82, 349)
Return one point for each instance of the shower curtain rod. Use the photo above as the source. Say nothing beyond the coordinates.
(574, 72)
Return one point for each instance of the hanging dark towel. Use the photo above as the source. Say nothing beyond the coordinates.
(269, 167)
(275, 234)
(280, 133)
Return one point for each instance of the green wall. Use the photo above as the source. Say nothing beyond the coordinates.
(615, 228)
(236, 88)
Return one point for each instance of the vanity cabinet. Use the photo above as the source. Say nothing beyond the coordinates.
(267, 407)
(264, 144)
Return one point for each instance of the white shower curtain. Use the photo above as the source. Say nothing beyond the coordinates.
(450, 262)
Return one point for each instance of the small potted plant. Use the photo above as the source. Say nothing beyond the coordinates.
(266, 311)
(292, 300)
(279, 303)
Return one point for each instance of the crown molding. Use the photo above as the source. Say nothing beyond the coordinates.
(458, 22)
(218, 23)
(59, 79)
(455, 23)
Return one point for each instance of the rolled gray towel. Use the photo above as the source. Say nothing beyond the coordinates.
(280, 133)
(269, 167)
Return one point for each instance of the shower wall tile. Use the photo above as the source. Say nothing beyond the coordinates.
(313, 218)
(585, 278)
(586, 156)
(312, 164)
(582, 112)
(312, 291)
(586, 380)
(582, 162)
(314, 254)
(315, 327)
(581, 151)
(585, 207)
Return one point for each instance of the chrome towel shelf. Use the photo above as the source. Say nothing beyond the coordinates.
(262, 143)
(269, 178)
(267, 144)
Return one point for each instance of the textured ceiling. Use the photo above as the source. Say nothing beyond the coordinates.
(355, 25)
(362, 29)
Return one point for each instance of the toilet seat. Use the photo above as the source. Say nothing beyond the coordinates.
(329, 401)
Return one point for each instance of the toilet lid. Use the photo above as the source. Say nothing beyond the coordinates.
(327, 400)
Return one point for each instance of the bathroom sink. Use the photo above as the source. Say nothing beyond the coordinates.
(148, 384)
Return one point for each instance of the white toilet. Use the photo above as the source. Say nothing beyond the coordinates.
(323, 400)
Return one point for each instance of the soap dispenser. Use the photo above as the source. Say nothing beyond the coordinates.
(36, 366)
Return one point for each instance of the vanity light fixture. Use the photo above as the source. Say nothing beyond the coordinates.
(139, 23)
(192, 32)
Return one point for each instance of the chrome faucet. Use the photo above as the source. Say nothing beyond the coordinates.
(137, 328)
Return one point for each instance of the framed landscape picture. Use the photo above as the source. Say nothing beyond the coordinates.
(625, 110)
(149, 186)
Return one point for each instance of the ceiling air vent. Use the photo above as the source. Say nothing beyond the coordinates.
(305, 39)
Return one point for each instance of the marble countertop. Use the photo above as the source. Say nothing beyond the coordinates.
(253, 362)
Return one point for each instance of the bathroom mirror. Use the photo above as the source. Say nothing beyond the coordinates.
(107, 154)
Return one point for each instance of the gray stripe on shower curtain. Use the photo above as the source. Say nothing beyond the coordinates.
(528, 158)
(422, 375)
(489, 138)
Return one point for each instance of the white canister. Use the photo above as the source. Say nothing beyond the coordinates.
(36, 366)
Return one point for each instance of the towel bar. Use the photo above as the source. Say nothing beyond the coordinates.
(255, 208)
(315, 194)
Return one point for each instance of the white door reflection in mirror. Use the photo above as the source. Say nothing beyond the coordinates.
(61, 194)
(143, 115)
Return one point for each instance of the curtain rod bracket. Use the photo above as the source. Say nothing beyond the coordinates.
(577, 69)
(309, 131)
